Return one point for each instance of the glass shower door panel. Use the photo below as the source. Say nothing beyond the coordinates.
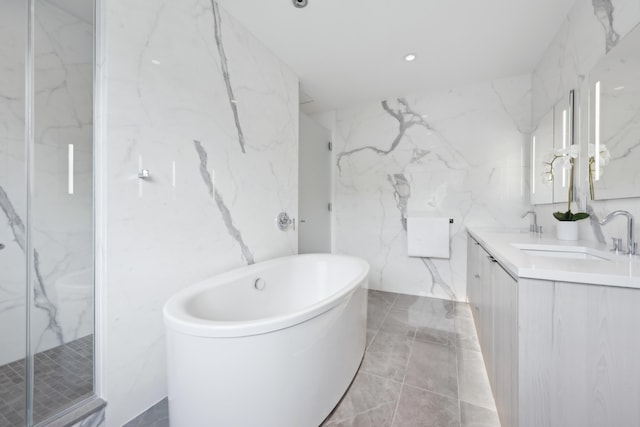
(13, 266)
(62, 319)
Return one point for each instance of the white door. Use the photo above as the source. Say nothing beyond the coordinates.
(314, 188)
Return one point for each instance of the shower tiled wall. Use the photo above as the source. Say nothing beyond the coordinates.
(60, 222)
(458, 153)
(213, 115)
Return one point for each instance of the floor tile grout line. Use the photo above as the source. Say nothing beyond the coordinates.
(55, 364)
(492, 409)
(384, 317)
(431, 392)
(458, 385)
(457, 348)
(404, 377)
(360, 413)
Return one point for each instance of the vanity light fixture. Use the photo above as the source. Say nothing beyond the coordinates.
(409, 57)
(70, 169)
(596, 131)
(564, 144)
(533, 165)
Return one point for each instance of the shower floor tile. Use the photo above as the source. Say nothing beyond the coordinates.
(422, 367)
(63, 376)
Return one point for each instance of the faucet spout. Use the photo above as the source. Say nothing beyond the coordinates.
(631, 243)
(533, 227)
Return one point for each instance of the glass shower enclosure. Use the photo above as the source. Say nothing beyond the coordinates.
(46, 208)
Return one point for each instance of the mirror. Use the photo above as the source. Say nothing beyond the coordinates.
(554, 132)
(61, 206)
(563, 139)
(614, 122)
(46, 208)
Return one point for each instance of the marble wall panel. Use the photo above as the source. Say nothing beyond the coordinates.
(458, 153)
(213, 115)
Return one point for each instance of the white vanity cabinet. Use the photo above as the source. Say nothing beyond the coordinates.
(558, 353)
(492, 294)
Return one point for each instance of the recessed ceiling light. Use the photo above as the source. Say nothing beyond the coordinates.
(410, 57)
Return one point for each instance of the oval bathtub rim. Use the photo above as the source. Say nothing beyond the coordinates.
(177, 319)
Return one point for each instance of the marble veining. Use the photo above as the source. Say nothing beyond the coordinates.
(406, 117)
(633, 146)
(455, 153)
(40, 298)
(603, 10)
(156, 22)
(224, 210)
(524, 127)
(594, 222)
(402, 192)
(16, 224)
(233, 102)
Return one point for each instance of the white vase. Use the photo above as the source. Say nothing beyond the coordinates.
(567, 230)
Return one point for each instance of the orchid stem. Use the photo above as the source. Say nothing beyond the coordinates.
(591, 191)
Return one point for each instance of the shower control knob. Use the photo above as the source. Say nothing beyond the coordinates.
(283, 221)
(1, 246)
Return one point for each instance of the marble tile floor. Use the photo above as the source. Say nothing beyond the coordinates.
(63, 376)
(422, 367)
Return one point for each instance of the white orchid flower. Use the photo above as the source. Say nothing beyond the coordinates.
(605, 155)
(572, 151)
(564, 162)
(547, 177)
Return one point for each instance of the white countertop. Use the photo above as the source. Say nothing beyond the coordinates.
(618, 270)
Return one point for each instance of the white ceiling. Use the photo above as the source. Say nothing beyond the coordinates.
(348, 52)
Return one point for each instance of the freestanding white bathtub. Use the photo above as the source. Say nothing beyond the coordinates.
(275, 344)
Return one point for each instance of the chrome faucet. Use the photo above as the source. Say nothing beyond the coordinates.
(631, 243)
(533, 227)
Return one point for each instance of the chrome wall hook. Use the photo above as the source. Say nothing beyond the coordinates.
(144, 174)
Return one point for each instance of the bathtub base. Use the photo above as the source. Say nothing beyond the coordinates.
(289, 377)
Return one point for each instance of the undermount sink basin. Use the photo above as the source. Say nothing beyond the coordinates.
(563, 252)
